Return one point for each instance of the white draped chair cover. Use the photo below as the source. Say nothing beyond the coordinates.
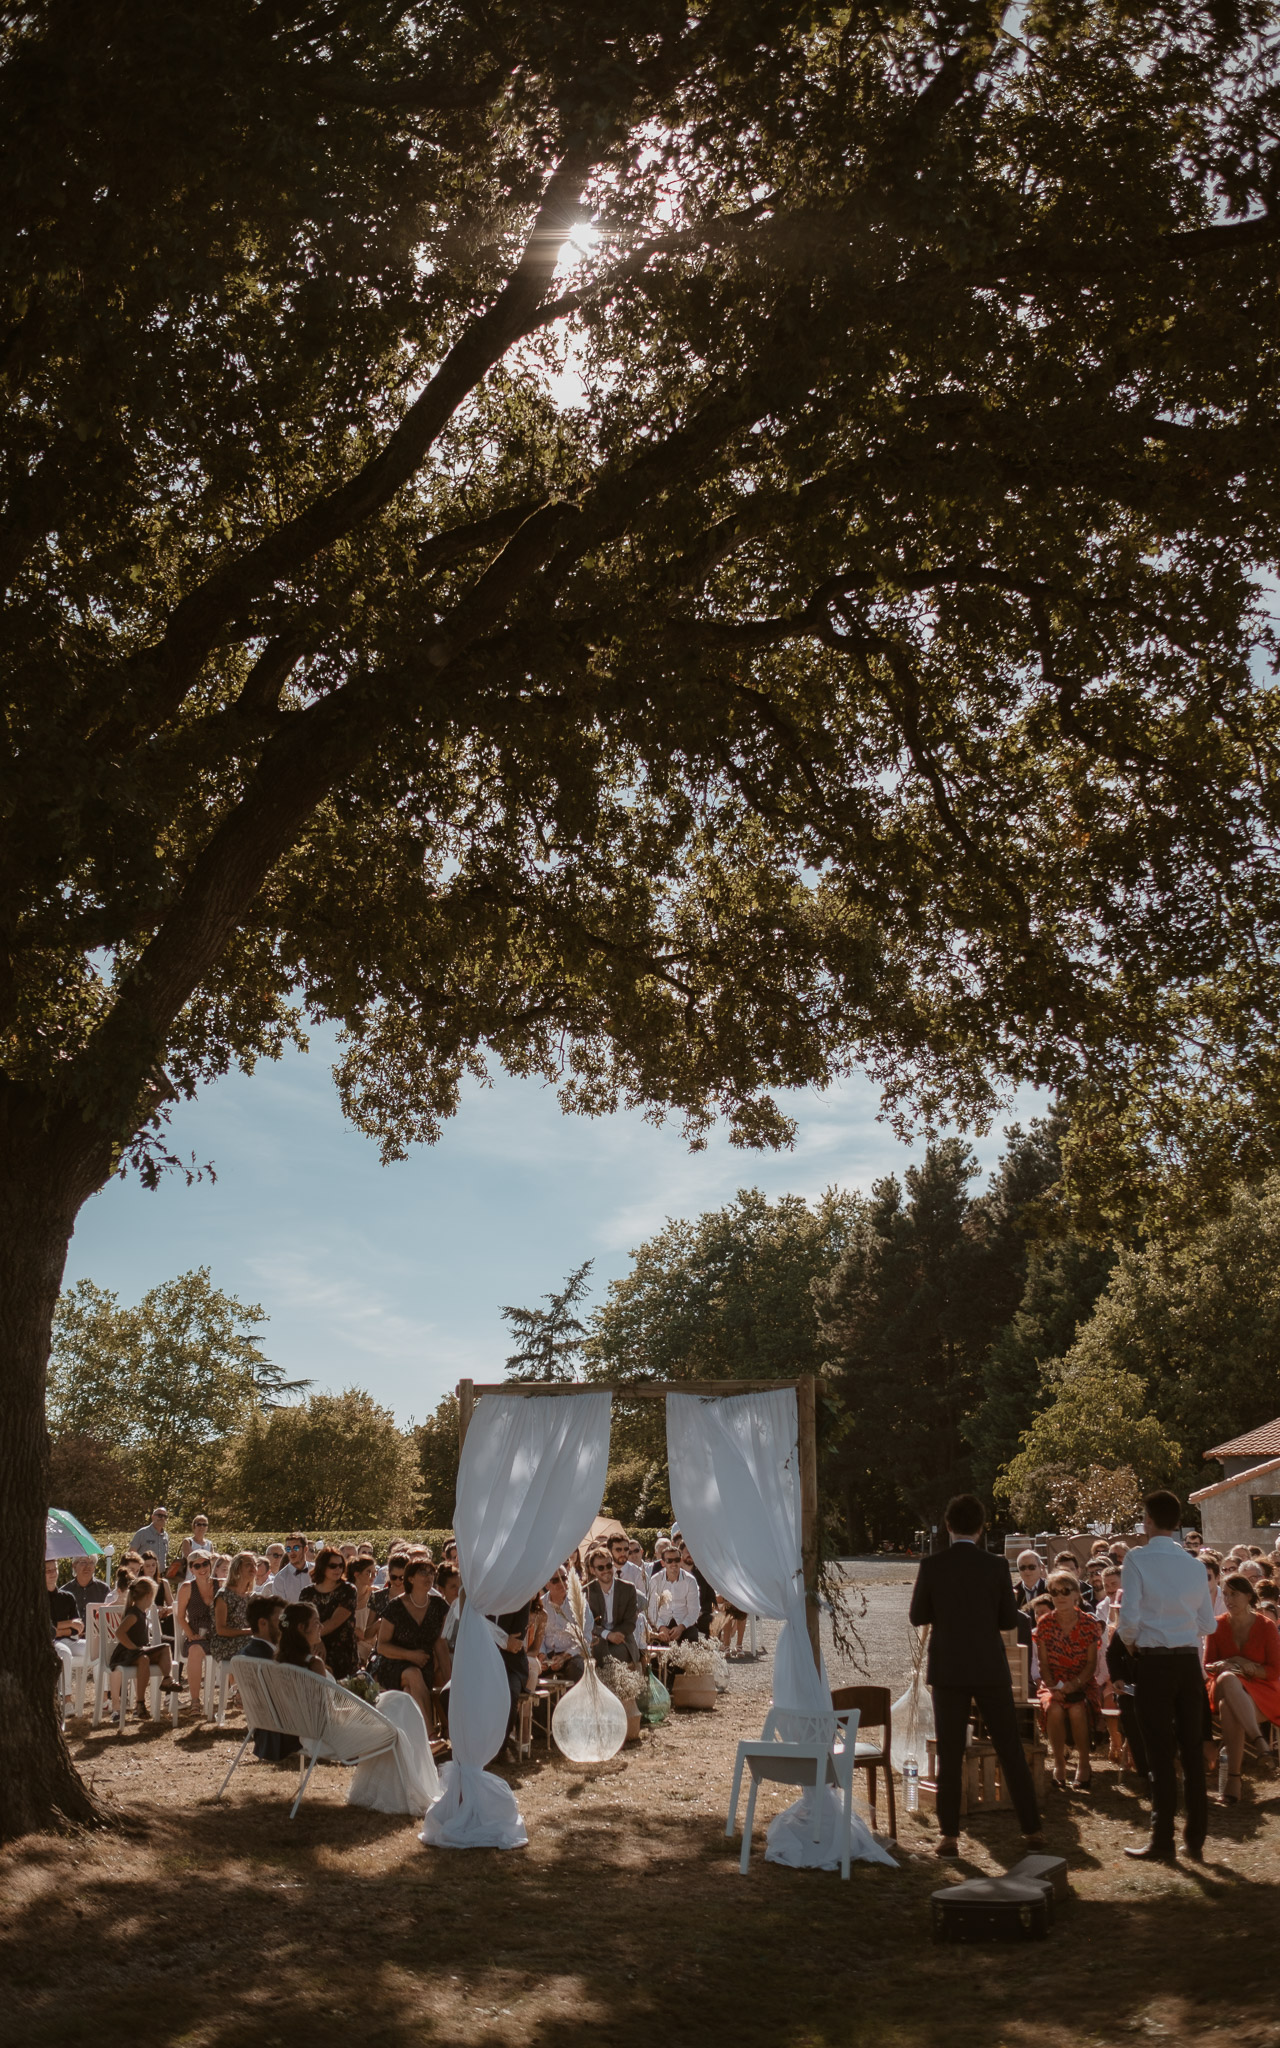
(530, 1480)
(735, 1493)
(405, 1780)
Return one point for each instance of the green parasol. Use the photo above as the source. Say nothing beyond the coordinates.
(64, 1536)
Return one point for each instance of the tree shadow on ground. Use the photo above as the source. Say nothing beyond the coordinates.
(233, 1927)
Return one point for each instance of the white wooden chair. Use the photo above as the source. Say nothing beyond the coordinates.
(810, 1751)
(327, 1720)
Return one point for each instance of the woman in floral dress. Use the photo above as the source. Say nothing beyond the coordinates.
(1067, 1651)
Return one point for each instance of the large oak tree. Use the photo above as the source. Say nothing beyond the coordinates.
(672, 546)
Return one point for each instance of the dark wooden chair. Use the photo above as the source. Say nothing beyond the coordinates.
(872, 1746)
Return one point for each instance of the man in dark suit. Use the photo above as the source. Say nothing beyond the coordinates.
(965, 1595)
(613, 1612)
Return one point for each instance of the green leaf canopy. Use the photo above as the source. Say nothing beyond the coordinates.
(677, 548)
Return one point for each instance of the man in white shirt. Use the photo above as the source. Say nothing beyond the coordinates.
(1166, 1609)
(293, 1575)
(674, 1602)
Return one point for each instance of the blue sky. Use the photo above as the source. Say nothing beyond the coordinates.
(393, 1277)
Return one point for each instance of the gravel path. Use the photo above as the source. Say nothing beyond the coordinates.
(875, 1602)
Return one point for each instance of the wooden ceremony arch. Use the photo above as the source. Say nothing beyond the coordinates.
(470, 1391)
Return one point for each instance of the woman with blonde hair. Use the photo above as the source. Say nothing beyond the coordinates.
(231, 1630)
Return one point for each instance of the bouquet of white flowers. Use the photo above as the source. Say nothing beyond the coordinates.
(700, 1657)
(363, 1686)
(625, 1681)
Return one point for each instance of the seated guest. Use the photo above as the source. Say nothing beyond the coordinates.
(262, 1574)
(1031, 1580)
(119, 1593)
(1118, 1550)
(534, 1634)
(1067, 1648)
(448, 1591)
(334, 1599)
(673, 1603)
(515, 1663)
(265, 1611)
(365, 1620)
(1036, 1613)
(612, 1602)
(1121, 1688)
(63, 1614)
(68, 1629)
(275, 1558)
(134, 1652)
(1193, 1541)
(230, 1631)
(300, 1639)
(195, 1618)
(1242, 1663)
(706, 1591)
(408, 1632)
(636, 1556)
(392, 1585)
(623, 1568)
(294, 1575)
(559, 1655)
(1214, 1571)
(1092, 1591)
(85, 1587)
(160, 1614)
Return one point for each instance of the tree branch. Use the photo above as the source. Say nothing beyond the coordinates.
(164, 673)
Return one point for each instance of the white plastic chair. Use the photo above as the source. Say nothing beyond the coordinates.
(327, 1720)
(215, 1680)
(807, 1750)
(73, 1675)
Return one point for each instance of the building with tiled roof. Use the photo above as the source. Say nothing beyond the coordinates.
(1244, 1506)
(1254, 1445)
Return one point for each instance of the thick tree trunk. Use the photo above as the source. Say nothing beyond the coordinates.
(39, 1785)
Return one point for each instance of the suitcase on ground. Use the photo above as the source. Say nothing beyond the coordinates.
(993, 1909)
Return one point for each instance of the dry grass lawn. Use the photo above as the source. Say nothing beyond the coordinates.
(625, 1921)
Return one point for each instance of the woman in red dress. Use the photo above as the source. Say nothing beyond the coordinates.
(1067, 1649)
(1242, 1664)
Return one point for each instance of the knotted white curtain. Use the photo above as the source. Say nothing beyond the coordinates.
(735, 1492)
(530, 1480)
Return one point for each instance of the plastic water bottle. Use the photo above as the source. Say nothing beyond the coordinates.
(910, 1784)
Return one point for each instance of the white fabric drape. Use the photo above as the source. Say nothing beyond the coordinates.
(530, 1479)
(735, 1492)
(402, 1780)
